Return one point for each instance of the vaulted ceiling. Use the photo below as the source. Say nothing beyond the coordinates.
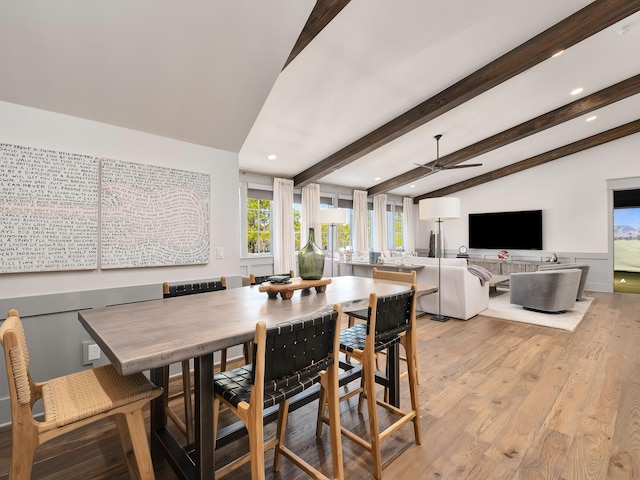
(197, 71)
(360, 105)
(347, 93)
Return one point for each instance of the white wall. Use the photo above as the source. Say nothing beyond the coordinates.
(41, 129)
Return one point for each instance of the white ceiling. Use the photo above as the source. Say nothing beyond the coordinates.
(197, 70)
(208, 72)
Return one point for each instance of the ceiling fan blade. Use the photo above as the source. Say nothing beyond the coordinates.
(463, 166)
(436, 166)
(428, 167)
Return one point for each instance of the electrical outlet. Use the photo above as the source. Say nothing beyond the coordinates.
(90, 352)
(93, 352)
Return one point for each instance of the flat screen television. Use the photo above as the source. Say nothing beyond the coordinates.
(506, 230)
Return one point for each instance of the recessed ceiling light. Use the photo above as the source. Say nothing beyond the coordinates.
(592, 118)
(624, 29)
(376, 179)
(412, 186)
(577, 91)
(557, 54)
(272, 157)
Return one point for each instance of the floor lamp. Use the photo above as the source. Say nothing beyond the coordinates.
(332, 217)
(439, 209)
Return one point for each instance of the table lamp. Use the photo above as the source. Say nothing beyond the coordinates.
(332, 217)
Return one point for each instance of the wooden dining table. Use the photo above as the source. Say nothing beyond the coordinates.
(154, 334)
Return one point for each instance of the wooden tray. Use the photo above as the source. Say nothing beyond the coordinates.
(286, 289)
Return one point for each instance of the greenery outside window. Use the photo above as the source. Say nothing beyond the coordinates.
(296, 225)
(259, 216)
(397, 228)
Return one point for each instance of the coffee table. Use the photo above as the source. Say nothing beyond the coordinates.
(497, 280)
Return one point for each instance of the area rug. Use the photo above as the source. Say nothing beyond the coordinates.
(499, 307)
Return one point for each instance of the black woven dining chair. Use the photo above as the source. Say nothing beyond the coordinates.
(391, 320)
(406, 277)
(187, 427)
(257, 280)
(288, 359)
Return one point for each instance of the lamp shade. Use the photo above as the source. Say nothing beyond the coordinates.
(439, 208)
(332, 215)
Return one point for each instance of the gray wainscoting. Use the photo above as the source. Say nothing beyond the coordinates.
(55, 335)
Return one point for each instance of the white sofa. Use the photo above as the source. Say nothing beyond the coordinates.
(463, 296)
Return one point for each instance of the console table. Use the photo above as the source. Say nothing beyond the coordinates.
(362, 269)
(505, 267)
(497, 280)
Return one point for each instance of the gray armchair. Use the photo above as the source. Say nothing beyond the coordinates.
(563, 266)
(546, 290)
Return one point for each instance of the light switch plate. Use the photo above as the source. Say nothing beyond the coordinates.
(220, 252)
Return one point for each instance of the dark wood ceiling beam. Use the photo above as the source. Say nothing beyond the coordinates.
(575, 147)
(586, 22)
(323, 12)
(582, 106)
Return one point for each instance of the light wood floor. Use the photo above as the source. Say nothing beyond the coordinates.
(500, 400)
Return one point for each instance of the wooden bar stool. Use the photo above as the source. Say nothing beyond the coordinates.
(288, 359)
(392, 320)
(70, 402)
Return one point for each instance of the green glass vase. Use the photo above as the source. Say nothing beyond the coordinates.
(311, 259)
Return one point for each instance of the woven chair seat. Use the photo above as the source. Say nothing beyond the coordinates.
(87, 393)
(353, 338)
(235, 385)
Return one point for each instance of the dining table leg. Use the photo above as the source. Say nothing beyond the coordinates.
(203, 386)
(160, 377)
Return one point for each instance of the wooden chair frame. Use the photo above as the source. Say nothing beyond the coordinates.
(28, 434)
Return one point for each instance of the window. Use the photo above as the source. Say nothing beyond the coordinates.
(256, 202)
(258, 224)
(397, 228)
(394, 226)
(344, 231)
(340, 236)
(296, 224)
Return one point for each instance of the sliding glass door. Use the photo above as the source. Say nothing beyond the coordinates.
(626, 241)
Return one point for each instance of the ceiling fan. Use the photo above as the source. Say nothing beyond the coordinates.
(437, 166)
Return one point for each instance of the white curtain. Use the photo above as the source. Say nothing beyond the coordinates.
(380, 223)
(408, 225)
(309, 213)
(360, 220)
(282, 229)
